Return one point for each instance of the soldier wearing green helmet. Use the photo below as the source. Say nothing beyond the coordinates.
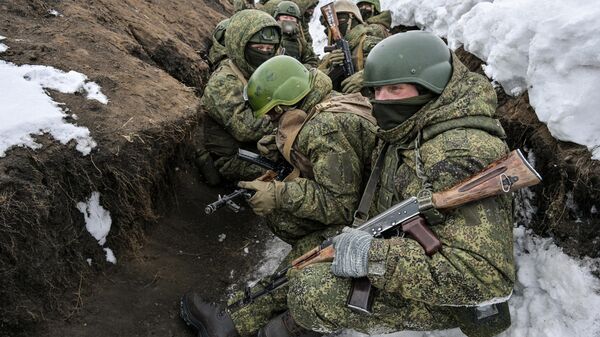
(436, 128)
(373, 16)
(251, 38)
(293, 44)
(218, 52)
(361, 39)
(329, 140)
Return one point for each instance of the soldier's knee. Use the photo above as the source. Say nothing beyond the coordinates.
(305, 297)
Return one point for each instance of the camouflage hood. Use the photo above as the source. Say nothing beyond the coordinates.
(242, 26)
(384, 18)
(466, 95)
(217, 52)
(321, 87)
(353, 37)
(305, 4)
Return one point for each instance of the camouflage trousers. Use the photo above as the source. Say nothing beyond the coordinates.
(317, 301)
(293, 230)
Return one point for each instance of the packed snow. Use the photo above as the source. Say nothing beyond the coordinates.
(3, 47)
(97, 222)
(26, 109)
(550, 49)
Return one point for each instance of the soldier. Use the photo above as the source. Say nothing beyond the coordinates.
(307, 7)
(360, 38)
(329, 140)
(436, 118)
(373, 16)
(251, 38)
(437, 128)
(240, 5)
(293, 44)
(218, 52)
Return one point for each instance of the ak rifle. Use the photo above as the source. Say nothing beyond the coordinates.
(275, 171)
(332, 22)
(410, 216)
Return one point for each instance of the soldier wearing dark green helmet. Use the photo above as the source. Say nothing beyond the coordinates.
(328, 138)
(360, 37)
(218, 52)
(293, 44)
(436, 128)
(251, 38)
(373, 16)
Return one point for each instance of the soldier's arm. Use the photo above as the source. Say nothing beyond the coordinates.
(223, 100)
(476, 260)
(308, 54)
(333, 194)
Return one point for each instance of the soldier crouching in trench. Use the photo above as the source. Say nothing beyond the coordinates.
(436, 128)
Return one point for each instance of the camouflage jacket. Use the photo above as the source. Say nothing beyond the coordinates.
(223, 98)
(217, 53)
(298, 48)
(459, 137)
(381, 21)
(337, 144)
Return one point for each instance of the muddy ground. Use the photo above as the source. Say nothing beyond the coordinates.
(147, 55)
(139, 296)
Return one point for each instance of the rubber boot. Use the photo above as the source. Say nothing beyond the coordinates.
(285, 326)
(207, 319)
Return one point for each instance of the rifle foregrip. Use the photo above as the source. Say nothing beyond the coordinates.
(417, 228)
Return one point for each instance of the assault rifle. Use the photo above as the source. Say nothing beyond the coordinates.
(410, 217)
(275, 171)
(332, 22)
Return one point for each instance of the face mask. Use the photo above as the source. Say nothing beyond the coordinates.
(344, 20)
(289, 27)
(366, 13)
(391, 113)
(257, 57)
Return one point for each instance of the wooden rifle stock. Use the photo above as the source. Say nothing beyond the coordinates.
(330, 16)
(505, 175)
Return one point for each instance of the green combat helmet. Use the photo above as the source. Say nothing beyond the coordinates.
(375, 4)
(287, 8)
(282, 80)
(414, 57)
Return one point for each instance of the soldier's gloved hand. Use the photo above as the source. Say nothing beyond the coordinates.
(267, 196)
(334, 58)
(353, 83)
(267, 147)
(351, 253)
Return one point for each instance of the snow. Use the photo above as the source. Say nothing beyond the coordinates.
(26, 109)
(552, 50)
(221, 237)
(54, 12)
(3, 47)
(110, 256)
(97, 219)
(97, 223)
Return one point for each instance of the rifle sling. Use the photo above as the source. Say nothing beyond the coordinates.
(361, 215)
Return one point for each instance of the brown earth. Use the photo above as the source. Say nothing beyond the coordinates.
(147, 57)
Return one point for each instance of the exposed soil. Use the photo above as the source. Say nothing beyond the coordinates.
(140, 295)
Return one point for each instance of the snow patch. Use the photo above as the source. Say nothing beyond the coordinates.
(97, 219)
(54, 12)
(26, 109)
(276, 251)
(110, 256)
(222, 237)
(3, 47)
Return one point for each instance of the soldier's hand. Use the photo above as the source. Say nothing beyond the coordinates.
(353, 83)
(334, 58)
(351, 253)
(267, 147)
(266, 197)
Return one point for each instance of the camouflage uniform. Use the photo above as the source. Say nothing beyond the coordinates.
(380, 24)
(296, 47)
(230, 124)
(304, 5)
(458, 137)
(322, 200)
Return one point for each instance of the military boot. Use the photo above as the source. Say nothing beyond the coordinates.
(207, 319)
(285, 326)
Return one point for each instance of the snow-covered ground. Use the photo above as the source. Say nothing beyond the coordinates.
(549, 48)
(26, 109)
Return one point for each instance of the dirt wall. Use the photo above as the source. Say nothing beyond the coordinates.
(145, 54)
